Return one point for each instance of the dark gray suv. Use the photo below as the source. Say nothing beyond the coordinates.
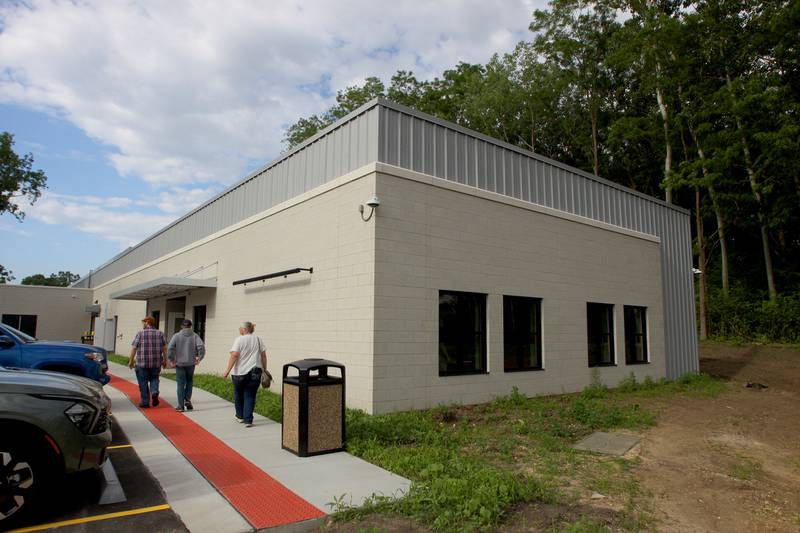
(50, 424)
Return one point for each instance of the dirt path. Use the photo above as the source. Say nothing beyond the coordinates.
(730, 463)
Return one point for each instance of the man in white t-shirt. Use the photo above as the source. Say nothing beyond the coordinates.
(247, 361)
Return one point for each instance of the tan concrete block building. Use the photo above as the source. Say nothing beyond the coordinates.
(483, 267)
(50, 313)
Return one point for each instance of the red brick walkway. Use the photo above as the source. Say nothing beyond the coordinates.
(261, 500)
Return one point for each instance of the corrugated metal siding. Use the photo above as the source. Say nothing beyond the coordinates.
(389, 133)
(344, 148)
(460, 156)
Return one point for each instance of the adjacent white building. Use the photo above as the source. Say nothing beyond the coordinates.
(52, 313)
(482, 268)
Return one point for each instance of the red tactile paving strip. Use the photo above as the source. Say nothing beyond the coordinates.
(260, 499)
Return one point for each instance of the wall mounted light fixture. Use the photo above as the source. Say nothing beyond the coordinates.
(372, 203)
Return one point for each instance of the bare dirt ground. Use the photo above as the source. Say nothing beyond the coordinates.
(730, 463)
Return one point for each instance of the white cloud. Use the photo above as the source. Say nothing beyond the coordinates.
(196, 92)
(179, 200)
(101, 217)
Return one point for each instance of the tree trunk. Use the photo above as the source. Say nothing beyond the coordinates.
(665, 119)
(721, 229)
(701, 264)
(595, 144)
(723, 242)
(756, 189)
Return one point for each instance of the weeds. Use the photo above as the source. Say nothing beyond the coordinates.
(470, 466)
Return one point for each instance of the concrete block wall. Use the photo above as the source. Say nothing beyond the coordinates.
(433, 235)
(61, 311)
(325, 314)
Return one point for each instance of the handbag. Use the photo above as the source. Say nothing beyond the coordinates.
(266, 379)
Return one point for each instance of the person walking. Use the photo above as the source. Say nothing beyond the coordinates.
(149, 355)
(185, 351)
(247, 361)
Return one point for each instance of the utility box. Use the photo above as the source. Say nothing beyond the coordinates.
(313, 408)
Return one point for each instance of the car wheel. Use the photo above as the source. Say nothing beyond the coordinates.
(21, 480)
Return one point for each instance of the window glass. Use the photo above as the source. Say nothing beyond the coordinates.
(522, 338)
(199, 321)
(23, 325)
(462, 333)
(600, 331)
(635, 335)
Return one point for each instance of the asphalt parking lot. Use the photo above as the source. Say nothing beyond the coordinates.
(77, 504)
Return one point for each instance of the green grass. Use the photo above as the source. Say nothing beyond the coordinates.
(117, 358)
(470, 466)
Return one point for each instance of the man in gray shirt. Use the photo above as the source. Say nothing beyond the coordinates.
(185, 350)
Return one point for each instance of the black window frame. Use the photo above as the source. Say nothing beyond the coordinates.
(514, 339)
(591, 309)
(628, 310)
(199, 320)
(21, 322)
(463, 334)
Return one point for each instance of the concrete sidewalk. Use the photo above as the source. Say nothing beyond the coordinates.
(320, 480)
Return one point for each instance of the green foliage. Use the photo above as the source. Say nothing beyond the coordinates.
(117, 358)
(5, 275)
(458, 458)
(585, 90)
(62, 279)
(17, 180)
(739, 316)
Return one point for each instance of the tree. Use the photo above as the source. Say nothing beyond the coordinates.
(62, 279)
(575, 35)
(5, 275)
(17, 180)
(347, 100)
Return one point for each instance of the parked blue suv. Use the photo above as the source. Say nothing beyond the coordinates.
(18, 350)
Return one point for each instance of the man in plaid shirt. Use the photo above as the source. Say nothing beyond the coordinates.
(149, 353)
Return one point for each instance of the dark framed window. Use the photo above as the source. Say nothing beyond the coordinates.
(522, 333)
(157, 317)
(635, 335)
(600, 330)
(25, 323)
(199, 321)
(462, 333)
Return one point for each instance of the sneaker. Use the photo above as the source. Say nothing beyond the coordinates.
(179, 409)
(143, 405)
(189, 405)
(155, 400)
(248, 425)
(240, 420)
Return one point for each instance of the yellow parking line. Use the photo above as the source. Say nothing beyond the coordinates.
(118, 446)
(96, 518)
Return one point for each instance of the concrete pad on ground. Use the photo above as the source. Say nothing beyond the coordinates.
(320, 479)
(194, 500)
(608, 443)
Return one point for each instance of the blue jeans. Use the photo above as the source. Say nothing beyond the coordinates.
(148, 382)
(184, 375)
(245, 388)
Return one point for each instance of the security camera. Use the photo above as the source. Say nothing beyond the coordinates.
(373, 202)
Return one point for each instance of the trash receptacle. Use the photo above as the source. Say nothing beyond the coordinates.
(313, 408)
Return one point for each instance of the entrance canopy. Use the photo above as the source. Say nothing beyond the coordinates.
(162, 287)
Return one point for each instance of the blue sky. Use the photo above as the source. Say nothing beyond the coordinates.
(139, 111)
